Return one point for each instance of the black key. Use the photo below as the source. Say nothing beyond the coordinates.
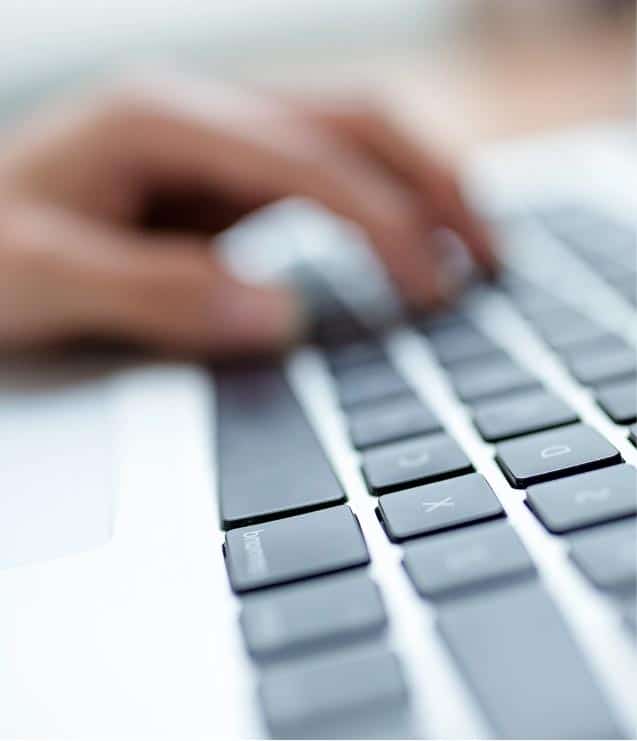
(586, 499)
(400, 465)
(632, 434)
(531, 299)
(449, 564)
(352, 354)
(258, 477)
(390, 420)
(604, 343)
(619, 401)
(527, 672)
(520, 414)
(370, 382)
(627, 286)
(565, 327)
(318, 614)
(432, 507)
(486, 378)
(433, 322)
(608, 555)
(595, 368)
(554, 453)
(460, 342)
(294, 548)
(629, 613)
(339, 695)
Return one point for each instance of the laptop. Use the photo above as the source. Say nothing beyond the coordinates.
(416, 528)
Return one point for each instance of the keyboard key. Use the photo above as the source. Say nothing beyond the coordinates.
(627, 286)
(480, 556)
(335, 696)
(527, 672)
(520, 414)
(605, 343)
(258, 478)
(460, 342)
(418, 461)
(553, 453)
(354, 353)
(294, 548)
(632, 434)
(565, 327)
(595, 368)
(390, 420)
(586, 499)
(619, 401)
(315, 614)
(370, 382)
(485, 378)
(432, 507)
(608, 555)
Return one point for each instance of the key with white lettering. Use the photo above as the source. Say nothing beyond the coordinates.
(294, 548)
(586, 499)
(316, 614)
(416, 461)
(481, 556)
(554, 453)
(432, 507)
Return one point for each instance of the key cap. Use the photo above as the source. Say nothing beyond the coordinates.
(258, 478)
(586, 499)
(446, 565)
(605, 343)
(312, 615)
(353, 354)
(608, 554)
(565, 327)
(594, 369)
(632, 434)
(390, 420)
(485, 378)
(627, 286)
(554, 453)
(519, 414)
(294, 548)
(432, 507)
(417, 461)
(524, 667)
(619, 401)
(459, 342)
(370, 382)
(334, 695)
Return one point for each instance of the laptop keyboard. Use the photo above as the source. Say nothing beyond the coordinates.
(315, 621)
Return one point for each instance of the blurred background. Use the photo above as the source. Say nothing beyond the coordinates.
(465, 71)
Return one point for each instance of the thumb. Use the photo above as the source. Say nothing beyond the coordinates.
(73, 277)
(176, 296)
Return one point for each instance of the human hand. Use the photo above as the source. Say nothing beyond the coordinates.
(81, 186)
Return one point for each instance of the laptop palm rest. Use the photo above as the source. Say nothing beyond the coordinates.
(57, 493)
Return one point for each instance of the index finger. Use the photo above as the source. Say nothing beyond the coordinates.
(429, 174)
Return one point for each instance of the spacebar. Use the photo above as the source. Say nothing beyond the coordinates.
(528, 674)
(270, 462)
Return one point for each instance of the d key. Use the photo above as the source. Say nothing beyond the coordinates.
(554, 453)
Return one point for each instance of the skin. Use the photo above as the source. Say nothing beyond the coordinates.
(108, 205)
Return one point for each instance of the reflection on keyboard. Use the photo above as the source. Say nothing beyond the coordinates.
(320, 640)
